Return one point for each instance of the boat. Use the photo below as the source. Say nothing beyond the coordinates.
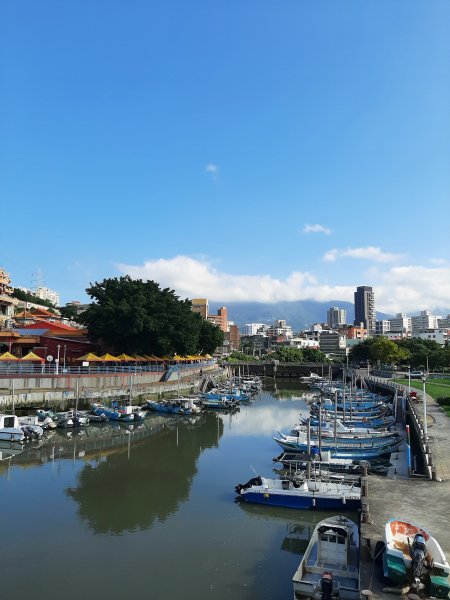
(10, 429)
(71, 418)
(361, 450)
(219, 403)
(308, 494)
(413, 557)
(298, 461)
(117, 412)
(330, 566)
(312, 378)
(178, 406)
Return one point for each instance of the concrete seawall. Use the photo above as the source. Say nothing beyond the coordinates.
(58, 389)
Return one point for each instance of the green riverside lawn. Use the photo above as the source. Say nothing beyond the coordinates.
(436, 388)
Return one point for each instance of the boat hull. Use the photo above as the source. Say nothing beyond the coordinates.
(303, 502)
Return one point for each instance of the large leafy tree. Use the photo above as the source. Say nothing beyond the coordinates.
(135, 316)
(387, 352)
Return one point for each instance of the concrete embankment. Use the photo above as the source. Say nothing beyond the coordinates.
(60, 389)
(423, 500)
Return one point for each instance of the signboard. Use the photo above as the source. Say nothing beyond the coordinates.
(85, 363)
(49, 358)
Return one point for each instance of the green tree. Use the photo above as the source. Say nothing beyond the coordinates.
(135, 316)
(386, 351)
(312, 355)
(289, 354)
(69, 312)
(27, 297)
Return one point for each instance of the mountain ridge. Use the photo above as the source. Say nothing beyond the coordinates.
(299, 314)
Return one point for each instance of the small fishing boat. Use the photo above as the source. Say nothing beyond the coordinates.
(219, 403)
(330, 566)
(308, 494)
(346, 466)
(10, 429)
(117, 412)
(413, 557)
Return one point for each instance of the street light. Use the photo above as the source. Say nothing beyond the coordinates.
(64, 358)
(57, 360)
(409, 380)
(428, 370)
(425, 428)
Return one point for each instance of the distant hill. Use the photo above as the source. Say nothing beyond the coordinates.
(299, 314)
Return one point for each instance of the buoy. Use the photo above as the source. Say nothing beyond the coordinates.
(344, 500)
(266, 495)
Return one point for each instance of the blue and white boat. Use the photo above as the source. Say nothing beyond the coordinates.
(306, 494)
(330, 566)
(362, 450)
(117, 412)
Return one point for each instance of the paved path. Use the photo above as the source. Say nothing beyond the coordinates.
(418, 500)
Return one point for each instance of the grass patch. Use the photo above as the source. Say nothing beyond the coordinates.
(436, 388)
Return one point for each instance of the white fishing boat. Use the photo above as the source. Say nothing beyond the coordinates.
(330, 566)
(10, 429)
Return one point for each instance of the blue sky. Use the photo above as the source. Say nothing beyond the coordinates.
(235, 150)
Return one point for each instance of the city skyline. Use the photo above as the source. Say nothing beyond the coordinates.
(236, 152)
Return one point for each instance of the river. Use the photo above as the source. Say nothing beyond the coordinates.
(151, 512)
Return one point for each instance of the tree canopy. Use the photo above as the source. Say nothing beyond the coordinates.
(414, 352)
(28, 297)
(135, 316)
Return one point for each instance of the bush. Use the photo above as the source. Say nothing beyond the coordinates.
(443, 401)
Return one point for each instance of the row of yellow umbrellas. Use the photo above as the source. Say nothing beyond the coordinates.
(90, 357)
(31, 356)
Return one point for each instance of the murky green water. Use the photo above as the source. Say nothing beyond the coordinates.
(151, 512)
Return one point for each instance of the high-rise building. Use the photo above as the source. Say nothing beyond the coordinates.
(45, 293)
(400, 323)
(253, 328)
(425, 320)
(221, 319)
(365, 308)
(200, 305)
(336, 317)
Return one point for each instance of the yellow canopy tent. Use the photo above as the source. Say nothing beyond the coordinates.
(31, 356)
(8, 356)
(140, 358)
(90, 357)
(109, 358)
(126, 358)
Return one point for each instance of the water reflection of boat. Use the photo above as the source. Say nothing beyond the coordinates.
(9, 449)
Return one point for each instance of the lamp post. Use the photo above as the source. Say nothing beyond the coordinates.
(425, 428)
(57, 360)
(428, 370)
(409, 380)
(64, 358)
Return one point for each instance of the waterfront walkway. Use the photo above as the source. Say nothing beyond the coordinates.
(418, 500)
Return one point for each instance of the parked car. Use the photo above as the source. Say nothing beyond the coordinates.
(416, 374)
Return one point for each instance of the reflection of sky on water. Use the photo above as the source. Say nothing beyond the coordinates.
(265, 419)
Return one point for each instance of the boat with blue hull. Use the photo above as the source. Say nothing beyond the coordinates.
(361, 451)
(307, 494)
(117, 412)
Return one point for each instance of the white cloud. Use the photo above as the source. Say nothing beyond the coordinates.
(213, 169)
(438, 261)
(372, 253)
(412, 289)
(399, 289)
(193, 278)
(316, 229)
